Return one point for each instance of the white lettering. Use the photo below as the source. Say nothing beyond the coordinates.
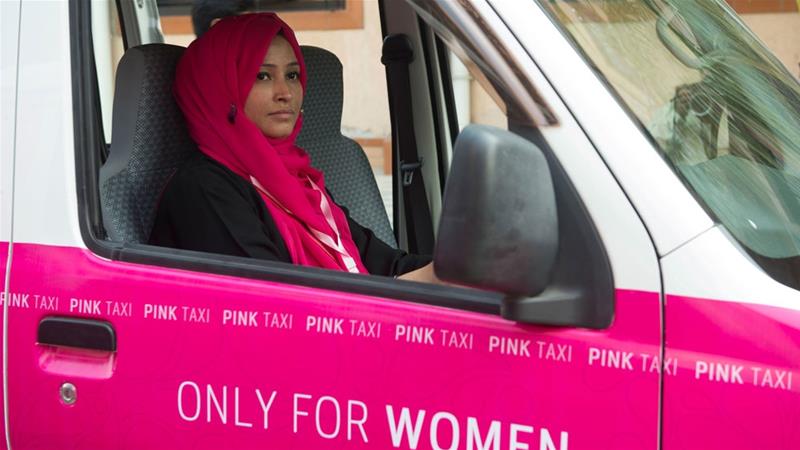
(415, 334)
(719, 372)
(360, 422)
(615, 359)
(18, 300)
(266, 406)
(239, 318)
(510, 346)
(191, 314)
(514, 443)
(297, 413)
(236, 420)
(338, 416)
(78, 305)
(278, 320)
(454, 437)
(211, 398)
(181, 411)
(329, 325)
(160, 312)
(403, 426)
(546, 442)
(474, 440)
(456, 339)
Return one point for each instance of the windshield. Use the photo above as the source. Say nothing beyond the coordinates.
(718, 105)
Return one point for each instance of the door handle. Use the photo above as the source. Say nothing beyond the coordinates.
(88, 334)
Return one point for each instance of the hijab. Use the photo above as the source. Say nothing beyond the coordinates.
(212, 82)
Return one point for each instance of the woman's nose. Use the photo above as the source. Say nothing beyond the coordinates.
(281, 90)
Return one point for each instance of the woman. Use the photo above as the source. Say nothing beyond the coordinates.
(251, 191)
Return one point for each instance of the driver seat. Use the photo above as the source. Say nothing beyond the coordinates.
(150, 141)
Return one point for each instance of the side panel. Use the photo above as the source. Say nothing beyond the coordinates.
(733, 350)
(200, 356)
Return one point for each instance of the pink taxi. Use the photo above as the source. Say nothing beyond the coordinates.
(623, 247)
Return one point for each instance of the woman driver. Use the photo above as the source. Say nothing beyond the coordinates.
(251, 191)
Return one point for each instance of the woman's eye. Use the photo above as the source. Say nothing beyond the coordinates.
(263, 76)
(293, 75)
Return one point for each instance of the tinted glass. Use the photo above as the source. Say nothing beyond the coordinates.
(718, 105)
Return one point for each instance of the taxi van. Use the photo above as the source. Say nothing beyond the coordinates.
(622, 253)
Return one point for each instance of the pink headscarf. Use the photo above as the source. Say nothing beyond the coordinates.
(212, 82)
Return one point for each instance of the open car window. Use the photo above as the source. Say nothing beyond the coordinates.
(364, 123)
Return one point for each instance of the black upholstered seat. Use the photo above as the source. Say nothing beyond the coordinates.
(348, 174)
(149, 141)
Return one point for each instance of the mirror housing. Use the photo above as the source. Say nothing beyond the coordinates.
(499, 223)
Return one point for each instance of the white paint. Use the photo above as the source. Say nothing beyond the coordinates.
(714, 267)
(104, 61)
(45, 160)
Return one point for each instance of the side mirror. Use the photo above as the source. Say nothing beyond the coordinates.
(501, 230)
(499, 224)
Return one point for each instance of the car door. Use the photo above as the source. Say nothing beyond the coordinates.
(133, 346)
(721, 209)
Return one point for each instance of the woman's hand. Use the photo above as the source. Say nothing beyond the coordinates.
(423, 274)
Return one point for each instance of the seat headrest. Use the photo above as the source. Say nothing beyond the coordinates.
(322, 102)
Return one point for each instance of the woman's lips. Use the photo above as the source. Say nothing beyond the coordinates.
(282, 115)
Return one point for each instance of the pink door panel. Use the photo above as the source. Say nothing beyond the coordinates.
(734, 382)
(208, 361)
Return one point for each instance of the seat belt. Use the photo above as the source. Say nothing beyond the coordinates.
(397, 55)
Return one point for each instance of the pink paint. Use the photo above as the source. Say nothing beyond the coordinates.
(72, 362)
(455, 373)
(737, 383)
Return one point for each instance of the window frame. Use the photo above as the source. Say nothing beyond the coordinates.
(89, 142)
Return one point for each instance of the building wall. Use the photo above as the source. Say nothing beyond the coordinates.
(365, 102)
(781, 33)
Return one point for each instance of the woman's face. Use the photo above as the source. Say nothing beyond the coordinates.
(276, 97)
